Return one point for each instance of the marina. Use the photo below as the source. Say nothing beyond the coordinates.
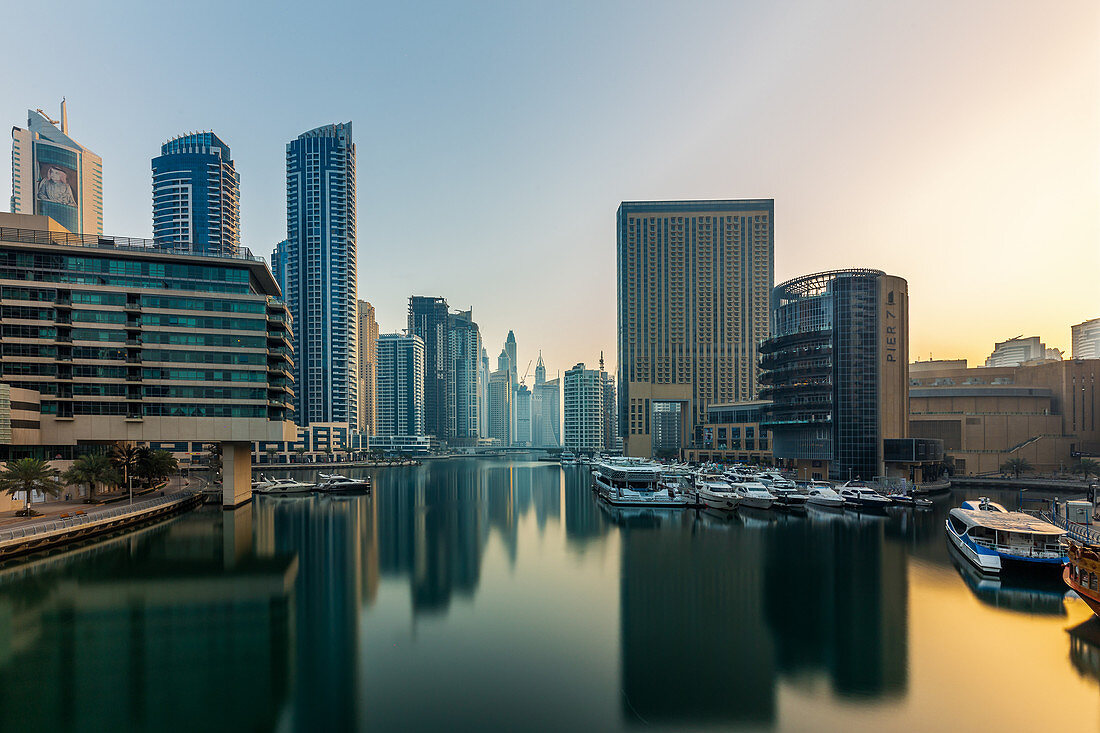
(513, 586)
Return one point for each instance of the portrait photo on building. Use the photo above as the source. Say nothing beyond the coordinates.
(55, 183)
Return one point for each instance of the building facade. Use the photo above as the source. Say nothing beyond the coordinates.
(53, 175)
(196, 196)
(400, 382)
(321, 273)
(279, 264)
(694, 278)
(1016, 351)
(545, 409)
(368, 348)
(463, 387)
(733, 433)
(500, 407)
(1043, 412)
(122, 340)
(1085, 338)
(836, 370)
(585, 412)
(428, 319)
(523, 411)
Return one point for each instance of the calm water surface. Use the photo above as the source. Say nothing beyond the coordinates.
(486, 595)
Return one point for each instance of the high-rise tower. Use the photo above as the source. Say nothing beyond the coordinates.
(428, 320)
(53, 175)
(694, 281)
(321, 273)
(196, 196)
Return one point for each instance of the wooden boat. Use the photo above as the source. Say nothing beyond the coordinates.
(1082, 573)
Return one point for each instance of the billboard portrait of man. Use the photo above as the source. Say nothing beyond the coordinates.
(55, 184)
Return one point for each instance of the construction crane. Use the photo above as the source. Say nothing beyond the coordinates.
(523, 380)
(49, 119)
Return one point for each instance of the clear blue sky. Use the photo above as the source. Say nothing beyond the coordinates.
(955, 144)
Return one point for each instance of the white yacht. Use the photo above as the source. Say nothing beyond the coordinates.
(634, 482)
(754, 495)
(823, 495)
(568, 458)
(864, 498)
(717, 494)
(988, 535)
(333, 483)
(284, 487)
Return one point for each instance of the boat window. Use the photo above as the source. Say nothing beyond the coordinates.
(957, 524)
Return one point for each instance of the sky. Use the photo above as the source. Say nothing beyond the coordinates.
(956, 144)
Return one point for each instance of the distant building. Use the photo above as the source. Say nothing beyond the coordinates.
(694, 278)
(920, 367)
(545, 410)
(321, 273)
(400, 382)
(483, 393)
(463, 379)
(585, 412)
(523, 409)
(279, 265)
(368, 357)
(1016, 351)
(196, 196)
(1086, 339)
(428, 320)
(836, 370)
(53, 175)
(500, 406)
(510, 349)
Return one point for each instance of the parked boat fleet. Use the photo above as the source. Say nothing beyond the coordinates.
(329, 483)
(637, 482)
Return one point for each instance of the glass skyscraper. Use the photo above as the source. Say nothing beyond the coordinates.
(196, 196)
(321, 273)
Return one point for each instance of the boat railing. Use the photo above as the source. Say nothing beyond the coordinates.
(1076, 530)
(1017, 550)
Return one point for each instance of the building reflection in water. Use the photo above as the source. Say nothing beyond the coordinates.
(144, 630)
(714, 610)
(1084, 648)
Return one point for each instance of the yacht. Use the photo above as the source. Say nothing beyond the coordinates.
(989, 536)
(284, 487)
(332, 483)
(717, 494)
(823, 495)
(772, 479)
(568, 458)
(788, 496)
(754, 495)
(864, 498)
(634, 482)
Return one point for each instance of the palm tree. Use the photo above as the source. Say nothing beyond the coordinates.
(300, 450)
(271, 451)
(156, 465)
(91, 469)
(27, 475)
(125, 457)
(1087, 467)
(1016, 466)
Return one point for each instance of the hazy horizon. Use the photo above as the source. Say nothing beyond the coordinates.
(952, 144)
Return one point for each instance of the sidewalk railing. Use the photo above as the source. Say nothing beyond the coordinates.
(44, 528)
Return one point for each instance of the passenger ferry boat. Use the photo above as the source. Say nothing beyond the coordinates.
(988, 535)
(568, 458)
(1082, 573)
(634, 482)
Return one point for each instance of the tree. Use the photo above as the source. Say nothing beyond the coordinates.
(1016, 466)
(301, 451)
(91, 469)
(27, 475)
(1087, 467)
(271, 451)
(214, 459)
(155, 466)
(125, 457)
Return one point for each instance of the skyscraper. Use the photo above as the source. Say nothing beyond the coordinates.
(279, 263)
(321, 273)
(585, 413)
(694, 279)
(196, 196)
(483, 393)
(368, 357)
(500, 405)
(510, 349)
(522, 410)
(463, 386)
(400, 381)
(545, 410)
(428, 320)
(53, 175)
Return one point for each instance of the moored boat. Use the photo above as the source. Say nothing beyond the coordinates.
(568, 458)
(634, 482)
(333, 483)
(990, 537)
(284, 487)
(823, 496)
(1082, 573)
(863, 498)
(754, 495)
(716, 494)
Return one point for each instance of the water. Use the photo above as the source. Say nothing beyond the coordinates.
(487, 595)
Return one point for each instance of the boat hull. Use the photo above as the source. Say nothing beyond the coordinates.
(985, 560)
(724, 502)
(825, 502)
(1090, 597)
(753, 502)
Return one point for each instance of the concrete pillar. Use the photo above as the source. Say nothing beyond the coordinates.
(236, 474)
